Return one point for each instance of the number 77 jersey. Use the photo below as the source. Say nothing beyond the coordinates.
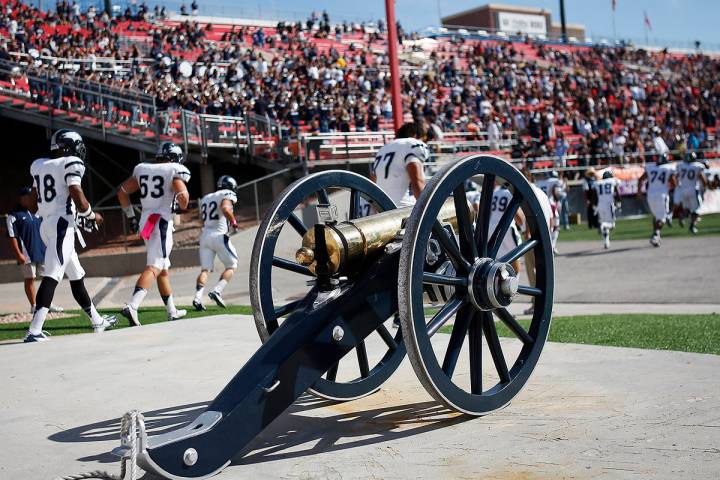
(156, 191)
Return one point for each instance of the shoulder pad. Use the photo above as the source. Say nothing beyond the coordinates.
(181, 172)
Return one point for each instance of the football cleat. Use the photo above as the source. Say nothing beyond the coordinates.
(198, 306)
(176, 315)
(30, 338)
(655, 240)
(55, 309)
(131, 314)
(109, 321)
(217, 298)
(693, 229)
(606, 242)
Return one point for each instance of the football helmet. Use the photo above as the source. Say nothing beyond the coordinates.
(169, 152)
(607, 174)
(67, 143)
(226, 182)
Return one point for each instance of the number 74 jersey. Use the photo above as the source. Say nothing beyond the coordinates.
(155, 181)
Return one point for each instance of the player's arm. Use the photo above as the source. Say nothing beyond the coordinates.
(417, 177)
(641, 182)
(227, 210)
(181, 194)
(672, 181)
(520, 219)
(83, 206)
(127, 188)
(14, 244)
(704, 181)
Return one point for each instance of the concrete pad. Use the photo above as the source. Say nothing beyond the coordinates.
(587, 412)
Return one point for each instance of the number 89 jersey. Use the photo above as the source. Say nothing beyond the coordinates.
(156, 191)
(211, 211)
(52, 178)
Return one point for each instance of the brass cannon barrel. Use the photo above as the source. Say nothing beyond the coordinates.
(352, 242)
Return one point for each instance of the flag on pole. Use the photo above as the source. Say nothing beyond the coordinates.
(614, 4)
(647, 21)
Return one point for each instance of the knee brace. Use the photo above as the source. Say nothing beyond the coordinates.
(45, 292)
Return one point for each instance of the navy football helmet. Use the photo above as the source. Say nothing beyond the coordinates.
(169, 152)
(67, 143)
(226, 182)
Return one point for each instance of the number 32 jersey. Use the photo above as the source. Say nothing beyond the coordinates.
(155, 181)
(52, 178)
(211, 211)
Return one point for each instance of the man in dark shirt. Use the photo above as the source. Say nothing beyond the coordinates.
(23, 228)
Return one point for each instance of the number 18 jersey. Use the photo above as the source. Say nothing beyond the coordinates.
(52, 178)
(155, 181)
(211, 211)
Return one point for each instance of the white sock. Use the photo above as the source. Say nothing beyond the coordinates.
(170, 304)
(199, 292)
(220, 286)
(554, 237)
(137, 297)
(94, 315)
(38, 320)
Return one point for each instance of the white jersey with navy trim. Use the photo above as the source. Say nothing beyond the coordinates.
(549, 185)
(500, 200)
(211, 211)
(156, 191)
(658, 178)
(689, 174)
(605, 189)
(390, 165)
(52, 178)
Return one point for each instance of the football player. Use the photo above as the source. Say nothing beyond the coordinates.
(163, 190)
(500, 200)
(607, 197)
(216, 212)
(692, 184)
(398, 167)
(63, 208)
(553, 188)
(660, 177)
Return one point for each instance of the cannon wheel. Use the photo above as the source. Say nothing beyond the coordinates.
(473, 389)
(268, 315)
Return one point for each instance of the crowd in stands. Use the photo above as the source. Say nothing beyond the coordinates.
(318, 76)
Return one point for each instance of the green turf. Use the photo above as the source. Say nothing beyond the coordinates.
(641, 228)
(687, 333)
(80, 324)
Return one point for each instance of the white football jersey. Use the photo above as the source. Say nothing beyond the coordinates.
(389, 167)
(211, 212)
(500, 201)
(658, 178)
(689, 175)
(548, 185)
(52, 178)
(155, 180)
(605, 190)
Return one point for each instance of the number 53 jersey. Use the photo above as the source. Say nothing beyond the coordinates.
(156, 191)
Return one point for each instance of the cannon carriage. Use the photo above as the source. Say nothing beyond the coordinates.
(358, 264)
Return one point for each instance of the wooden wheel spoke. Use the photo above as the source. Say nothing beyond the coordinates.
(363, 359)
(457, 338)
(448, 244)
(441, 317)
(503, 225)
(323, 197)
(287, 308)
(291, 266)
(297, 224)
(465, 227)
(494, 346)
(436, 279)
(483, 221)
(532, 291)
(519, 251)
(475, 339)
(332, 373)
(387, 337)
(511, 323)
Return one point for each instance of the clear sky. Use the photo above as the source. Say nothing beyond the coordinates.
(672, 20)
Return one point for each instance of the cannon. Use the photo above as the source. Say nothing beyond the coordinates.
(358, 263)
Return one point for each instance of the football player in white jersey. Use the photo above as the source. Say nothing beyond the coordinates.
(63, 208)
(398, 166)
(692, 184)
(216, 212)
(607, 197)
(500, 200)
(163, 188)
(660, 177)
(553, 188)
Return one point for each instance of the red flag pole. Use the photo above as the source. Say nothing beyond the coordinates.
(394, 64)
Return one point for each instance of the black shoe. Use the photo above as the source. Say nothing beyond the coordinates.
(217, 298)
(199, 307)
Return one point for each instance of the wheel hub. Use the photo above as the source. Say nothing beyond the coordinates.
(492, 284)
